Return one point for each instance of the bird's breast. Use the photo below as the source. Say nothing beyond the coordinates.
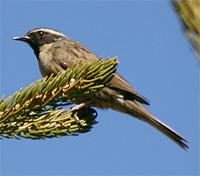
(47, 63)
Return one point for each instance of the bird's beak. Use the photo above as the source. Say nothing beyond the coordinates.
(22, 38)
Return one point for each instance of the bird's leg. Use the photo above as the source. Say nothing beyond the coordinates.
(75, 109)
(78, 107)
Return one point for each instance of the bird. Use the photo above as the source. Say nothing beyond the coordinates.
(55, 52)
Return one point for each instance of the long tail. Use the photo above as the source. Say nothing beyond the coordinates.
(136, 109)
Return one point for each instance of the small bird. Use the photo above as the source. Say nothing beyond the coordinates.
(56, 52)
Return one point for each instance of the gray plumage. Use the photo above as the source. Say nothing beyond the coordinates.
(56, 52)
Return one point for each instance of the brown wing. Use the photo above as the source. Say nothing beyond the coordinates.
(70, 53)
(123, 87)
(75, 53)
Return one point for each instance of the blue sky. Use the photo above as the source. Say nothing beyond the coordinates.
(154, 56)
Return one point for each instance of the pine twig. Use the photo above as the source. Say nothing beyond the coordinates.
(38, 112)
(189, 13)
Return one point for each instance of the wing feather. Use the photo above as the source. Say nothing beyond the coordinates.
(75, 53)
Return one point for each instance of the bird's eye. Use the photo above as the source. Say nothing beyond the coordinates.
(41, 33)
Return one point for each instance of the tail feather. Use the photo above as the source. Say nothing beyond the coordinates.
(138, 110)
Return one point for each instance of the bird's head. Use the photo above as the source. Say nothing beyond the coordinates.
(41, 36)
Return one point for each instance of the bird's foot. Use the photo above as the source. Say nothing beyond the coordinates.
(77, 108)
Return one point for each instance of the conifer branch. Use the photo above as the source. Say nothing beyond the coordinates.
(39, 111)
(189, 13)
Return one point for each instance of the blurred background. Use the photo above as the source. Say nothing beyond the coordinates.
(154, 57)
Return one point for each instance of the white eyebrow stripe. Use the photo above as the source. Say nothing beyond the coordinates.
(48, 31)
